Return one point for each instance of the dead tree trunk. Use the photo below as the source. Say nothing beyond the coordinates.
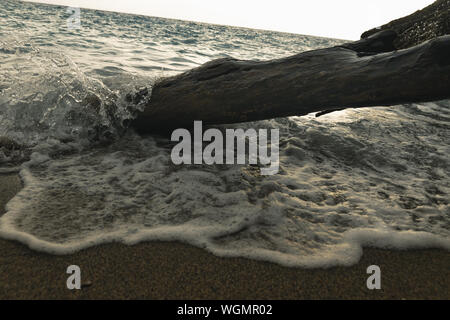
(359, 74)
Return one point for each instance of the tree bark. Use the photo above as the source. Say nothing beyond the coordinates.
(359, 74)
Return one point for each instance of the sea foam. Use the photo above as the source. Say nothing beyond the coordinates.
(374, 177)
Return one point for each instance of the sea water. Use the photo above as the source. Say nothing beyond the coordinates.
(361, 177)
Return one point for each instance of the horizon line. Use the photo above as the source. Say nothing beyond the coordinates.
(186, 20)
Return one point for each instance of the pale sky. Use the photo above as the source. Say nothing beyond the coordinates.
(344, 19)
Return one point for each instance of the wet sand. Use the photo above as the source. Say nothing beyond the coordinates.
(161, 270)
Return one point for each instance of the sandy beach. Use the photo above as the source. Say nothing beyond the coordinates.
(159, 270)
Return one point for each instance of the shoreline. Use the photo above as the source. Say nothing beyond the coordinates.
(173, 270)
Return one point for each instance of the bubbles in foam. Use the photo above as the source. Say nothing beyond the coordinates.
(318, 212)
(368, 177)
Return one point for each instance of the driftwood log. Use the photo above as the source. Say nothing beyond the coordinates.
(359, 74)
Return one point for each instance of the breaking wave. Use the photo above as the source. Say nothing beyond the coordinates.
(365, 177)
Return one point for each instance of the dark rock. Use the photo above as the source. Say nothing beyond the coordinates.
(428, 23)
(382, 41)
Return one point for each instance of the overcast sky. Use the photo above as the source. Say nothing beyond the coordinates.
(344, 19)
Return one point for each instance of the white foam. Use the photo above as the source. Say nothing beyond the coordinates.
(367, 177)
(313, 214)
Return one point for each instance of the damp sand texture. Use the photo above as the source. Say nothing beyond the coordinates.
(170, 270)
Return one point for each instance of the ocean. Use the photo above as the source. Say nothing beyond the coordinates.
(375, 177)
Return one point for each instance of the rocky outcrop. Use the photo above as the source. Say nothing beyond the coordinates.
(428, 23)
